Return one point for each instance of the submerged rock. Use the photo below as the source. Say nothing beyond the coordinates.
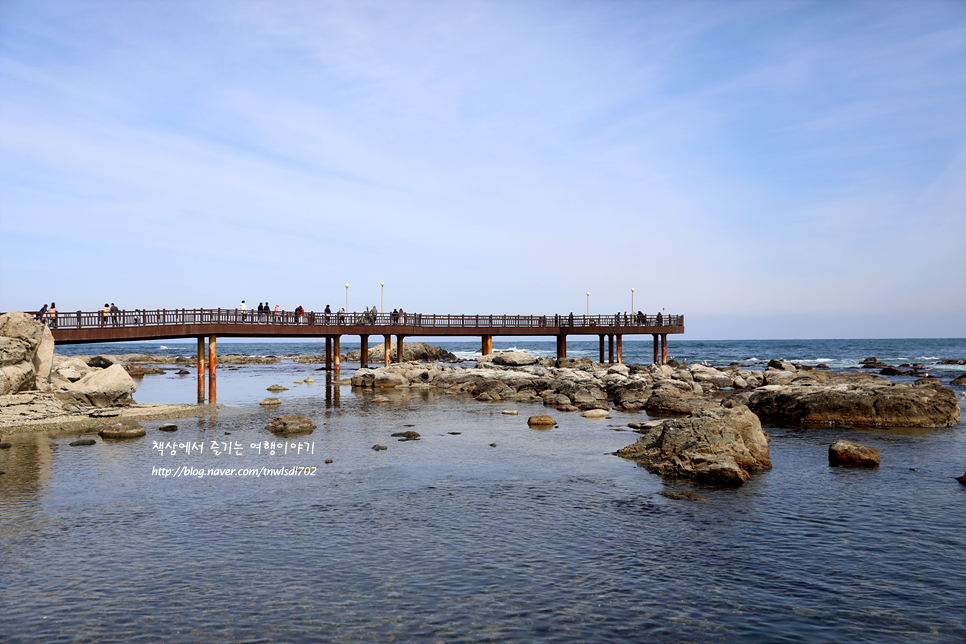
(277, 388)
(168, 427)
(848, 454)
(82, 442)
(717, 446)
(122, 429)
(681, 495)
(270, 402)
(291, 424)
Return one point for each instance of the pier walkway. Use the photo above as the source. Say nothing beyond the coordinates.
(83, 327)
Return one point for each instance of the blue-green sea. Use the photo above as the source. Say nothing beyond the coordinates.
(483, 530)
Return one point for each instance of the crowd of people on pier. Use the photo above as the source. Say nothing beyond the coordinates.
(111, 315)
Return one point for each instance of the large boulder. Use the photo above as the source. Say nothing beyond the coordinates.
(717, 446)
(857, 403)
(20, 337)
(101, 388)
(514, 359)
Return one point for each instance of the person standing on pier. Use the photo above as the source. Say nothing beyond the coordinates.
(52, 316)
(114, 312)
(278, 313)
(244, 310)
(104, 311)
(42, 314)
(261, 311)
(328, 312)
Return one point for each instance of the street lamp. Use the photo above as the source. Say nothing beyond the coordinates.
(382, 298)
(632, 300)
(346, 298)
(588, 303)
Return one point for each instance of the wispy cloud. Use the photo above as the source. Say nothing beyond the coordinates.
(739, 159)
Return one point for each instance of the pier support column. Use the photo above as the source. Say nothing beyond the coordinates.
(201, 370)
(364, 351)
(561, 346)
(601, 348)
(336, 358)
(487, 345)
(387, 346)
(328, 353)
(664, 348)
(399, 348)
(620, 348)
(657, 342)
(212, 367)
(610, 348)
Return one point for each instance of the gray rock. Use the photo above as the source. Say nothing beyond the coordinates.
(716, 446)
(168, 427)
(82, 442)
(270, 402)
(845, 403)
(514, 359)
(101, 388)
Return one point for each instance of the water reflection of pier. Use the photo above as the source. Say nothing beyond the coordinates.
(164, 324)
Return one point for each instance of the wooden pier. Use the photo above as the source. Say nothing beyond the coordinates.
(83, 327)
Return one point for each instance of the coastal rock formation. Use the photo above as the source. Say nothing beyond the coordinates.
(959, 380)
(848, 454)
(26, 350)
(871, 405)
(291, 424)
(412, 352)
(716, 446)
(962, 479)
(100, 388)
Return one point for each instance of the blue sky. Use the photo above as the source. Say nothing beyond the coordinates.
(769, 169)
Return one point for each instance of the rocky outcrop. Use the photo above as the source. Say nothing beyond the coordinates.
(100, 388)
(412, 352)
(848, 454)
(716, 446)
(26, 351)
(870, 405)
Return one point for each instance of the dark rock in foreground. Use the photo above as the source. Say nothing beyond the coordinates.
(848, 454)
(962, 479)
(716, 446)
(82, 442)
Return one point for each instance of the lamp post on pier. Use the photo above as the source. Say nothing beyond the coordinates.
(588, 303)
(382, 297)
(346, 298)
(632, 300)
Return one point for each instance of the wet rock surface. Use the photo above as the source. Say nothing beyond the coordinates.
(844, 453)
(291, 424)
(714, 446)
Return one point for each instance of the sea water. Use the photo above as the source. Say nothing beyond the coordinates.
(483, 530)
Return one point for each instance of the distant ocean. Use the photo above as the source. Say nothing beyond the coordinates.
(837, 354)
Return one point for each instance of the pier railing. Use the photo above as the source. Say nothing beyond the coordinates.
(180, 317)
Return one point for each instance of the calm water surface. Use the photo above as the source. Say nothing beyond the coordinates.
(544, 537)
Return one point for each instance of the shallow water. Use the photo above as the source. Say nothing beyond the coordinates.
(545, 537)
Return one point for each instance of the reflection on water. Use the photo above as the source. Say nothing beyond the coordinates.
(545, 537)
